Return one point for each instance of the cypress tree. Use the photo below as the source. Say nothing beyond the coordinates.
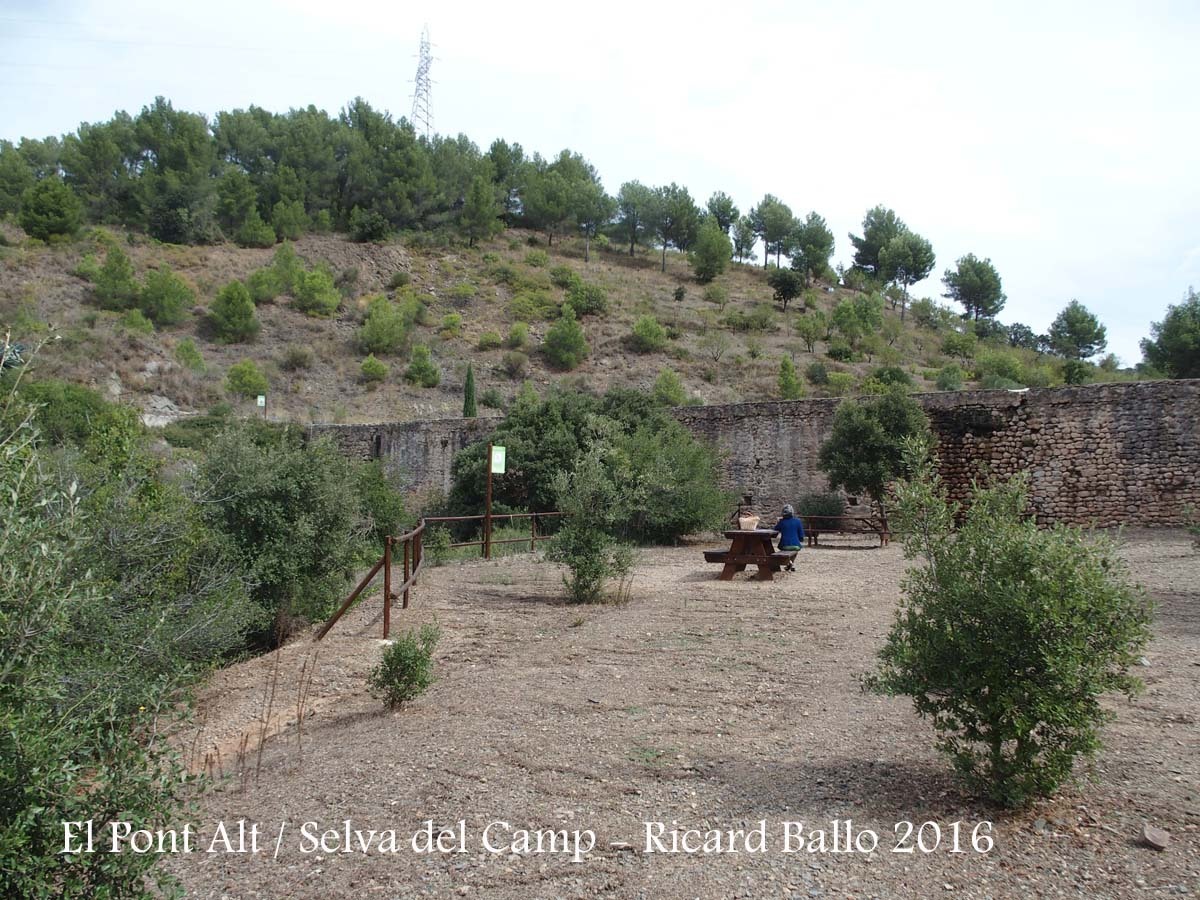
(469, 410)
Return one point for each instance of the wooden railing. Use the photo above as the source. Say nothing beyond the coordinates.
(413, 551)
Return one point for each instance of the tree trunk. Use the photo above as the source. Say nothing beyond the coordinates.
(587, 247)
(664, 264)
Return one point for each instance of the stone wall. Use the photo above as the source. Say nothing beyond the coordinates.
(1105, 454)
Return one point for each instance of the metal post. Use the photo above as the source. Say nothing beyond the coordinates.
(532, 533)
(387, 585)
(407, 568)
(487, 509)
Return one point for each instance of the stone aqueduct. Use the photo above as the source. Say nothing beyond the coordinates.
(1111, 454)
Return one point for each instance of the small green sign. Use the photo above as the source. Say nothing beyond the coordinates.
(497, 460)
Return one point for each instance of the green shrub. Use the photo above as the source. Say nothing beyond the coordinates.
(165, 297)
(839, 384)
(1009, 635)
(187, 354)
(421, 370)
(591, 498)
(296, 357)
(435, 544)
(246, 379)
(489, 340)
(50, 209)
(399, 279)
(950, 377)
(1077, 371)
(382, 505)
(315, 294)
(451, 326)
(761, 319)
(518, 336)
(115, 287)
(528, 305)
(463, 291)
(715, 293)
(960, 344)
(587, 299)
(287, 266)
(405, 670)
(293, 514)
(254, 232)
(368, 225)
(998, 365)
(321, 222)
(892, 375)
(564, 277)
(386, 328)
(373, 371)
(289, 220)
(754, 348)
(136, 323)
(492, 399)
(826, 505)
(790, 385)
(648, 335)
(539, 259)
(668, 388)
(514, 363)
(232, 314)
(839, 350)
(565, 345)
(817, 374)
(66, 413)
(88, 268)
(264, 285)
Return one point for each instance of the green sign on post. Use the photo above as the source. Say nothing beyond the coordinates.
(497, 460)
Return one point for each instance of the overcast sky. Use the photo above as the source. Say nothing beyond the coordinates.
(1059, 139)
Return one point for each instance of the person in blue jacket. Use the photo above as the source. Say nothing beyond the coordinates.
(791, 532)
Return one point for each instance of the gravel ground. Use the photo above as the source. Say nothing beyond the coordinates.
(700, 705)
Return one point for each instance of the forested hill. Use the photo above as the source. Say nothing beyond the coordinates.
(350, 269)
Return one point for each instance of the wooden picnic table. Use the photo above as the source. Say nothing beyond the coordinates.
(750, 547)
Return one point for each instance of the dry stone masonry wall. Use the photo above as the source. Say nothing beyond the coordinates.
(1116, 454)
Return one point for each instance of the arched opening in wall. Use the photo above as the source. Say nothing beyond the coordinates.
(377, 446)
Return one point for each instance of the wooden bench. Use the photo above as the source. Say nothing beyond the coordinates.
(815, 526)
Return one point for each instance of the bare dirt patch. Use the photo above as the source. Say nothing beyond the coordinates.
(704, 703)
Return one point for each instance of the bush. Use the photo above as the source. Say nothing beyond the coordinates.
(715, 293)
(711, 252)
(421, 370)
(950, 377)
(491, 399)
(136, 323)
(255, 232)
(165, 297)
(399, 279)
(514, 363)
(293, 514)
(246, 379)
(817, 374)
(648, 335)
(296, 357)
(960, 344)
(532, 304)
(760, 319)
(386, 328)
(287, 266)
(188, 355)
(590, 497)
(790, 386)
(587, 299)
(518, 336)
(264, 285)
(668, 388)
(462, 292)
(564, 344)
(489, 340)
(451, 326)
(289, 219)
(115, 287)
(368, 225)
(1077, 371)
(315, 294)
(405, 670)
(66, 413)
(1008, 635)
(50, 209)
(232, 314)
(839, 350)
(826, 505)
(564, 277)
(373, 371)
(539, 259)
(892, 375)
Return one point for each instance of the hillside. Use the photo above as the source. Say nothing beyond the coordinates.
(724, 349)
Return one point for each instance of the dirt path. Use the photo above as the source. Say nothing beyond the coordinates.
(713, 705)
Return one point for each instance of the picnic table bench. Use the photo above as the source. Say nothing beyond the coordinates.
(815, 526)
(747, 548)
